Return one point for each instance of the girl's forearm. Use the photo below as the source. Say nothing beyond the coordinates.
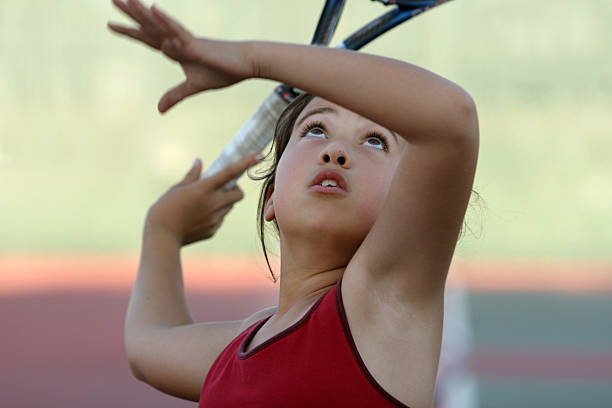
(416, 103)
(158, 297)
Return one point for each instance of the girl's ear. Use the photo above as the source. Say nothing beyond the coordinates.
(269, 214)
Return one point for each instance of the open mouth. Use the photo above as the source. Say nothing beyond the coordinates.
(329, 181)
(327, 189)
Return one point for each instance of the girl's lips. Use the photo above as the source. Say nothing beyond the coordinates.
(327, 189)
(329, 175)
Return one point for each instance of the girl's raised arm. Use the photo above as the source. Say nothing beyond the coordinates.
(410, 100)
(408, 251)
(416, 103)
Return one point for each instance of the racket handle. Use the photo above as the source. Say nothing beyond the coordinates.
(253, 137)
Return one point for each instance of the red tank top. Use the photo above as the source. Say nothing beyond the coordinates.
(313, 363)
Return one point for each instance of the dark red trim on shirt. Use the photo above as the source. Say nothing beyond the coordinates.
(351, 341)
(242, 355)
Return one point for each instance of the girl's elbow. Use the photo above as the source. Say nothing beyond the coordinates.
(131, 353)
(465, 117)
(136, 371)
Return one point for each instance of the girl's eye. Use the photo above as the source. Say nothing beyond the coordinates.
(377, 141)
(316, 131)
(374, 139)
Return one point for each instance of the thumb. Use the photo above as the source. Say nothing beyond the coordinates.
(194, 172)
(175, 95)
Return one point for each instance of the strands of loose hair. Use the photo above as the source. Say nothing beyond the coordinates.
(282, 134)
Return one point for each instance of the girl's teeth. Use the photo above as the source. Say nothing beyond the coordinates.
(329, 183)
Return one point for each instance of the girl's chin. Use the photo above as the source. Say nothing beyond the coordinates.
(323, 230)
(324, 220)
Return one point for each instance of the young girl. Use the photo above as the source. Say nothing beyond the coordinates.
(368, 189)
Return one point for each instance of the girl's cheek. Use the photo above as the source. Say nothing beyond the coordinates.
(286, 172)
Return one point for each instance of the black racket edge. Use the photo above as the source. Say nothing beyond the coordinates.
(326, 27)
(328, 22)
(407, 3)
(384, 23)
(366, 34)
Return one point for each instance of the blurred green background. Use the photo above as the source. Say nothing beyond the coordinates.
(84, 152)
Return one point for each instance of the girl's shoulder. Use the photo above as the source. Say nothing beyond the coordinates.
(256, 317)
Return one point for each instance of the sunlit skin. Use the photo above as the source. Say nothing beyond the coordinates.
(390, 238)
(319, 233)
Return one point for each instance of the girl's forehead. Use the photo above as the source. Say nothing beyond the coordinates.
(319, 105)
(318, 102)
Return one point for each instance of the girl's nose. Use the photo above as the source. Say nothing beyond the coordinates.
(336, 156)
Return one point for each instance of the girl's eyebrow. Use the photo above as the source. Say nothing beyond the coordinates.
(323, 109)
(328, 109)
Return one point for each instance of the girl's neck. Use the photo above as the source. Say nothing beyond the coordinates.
(308, 267)
(298, 291)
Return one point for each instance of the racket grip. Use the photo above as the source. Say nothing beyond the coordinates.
(253, 137)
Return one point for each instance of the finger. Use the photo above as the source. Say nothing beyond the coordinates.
(222, 212)
(171, 25)
(232, 171)
(136, 14)
(216, 219)
(175, 95)
(124, 7)
(146, 19)
(213, 220)
(228, 198)
(135, 34)
(193, 174)
(220, 221)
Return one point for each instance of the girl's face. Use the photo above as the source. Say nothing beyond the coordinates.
(328, 137)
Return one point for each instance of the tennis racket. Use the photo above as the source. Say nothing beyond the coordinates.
(258, 131)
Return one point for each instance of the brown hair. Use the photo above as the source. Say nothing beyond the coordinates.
(282, 134)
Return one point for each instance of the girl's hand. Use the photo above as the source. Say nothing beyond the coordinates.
(207, 64)
(193, 209)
